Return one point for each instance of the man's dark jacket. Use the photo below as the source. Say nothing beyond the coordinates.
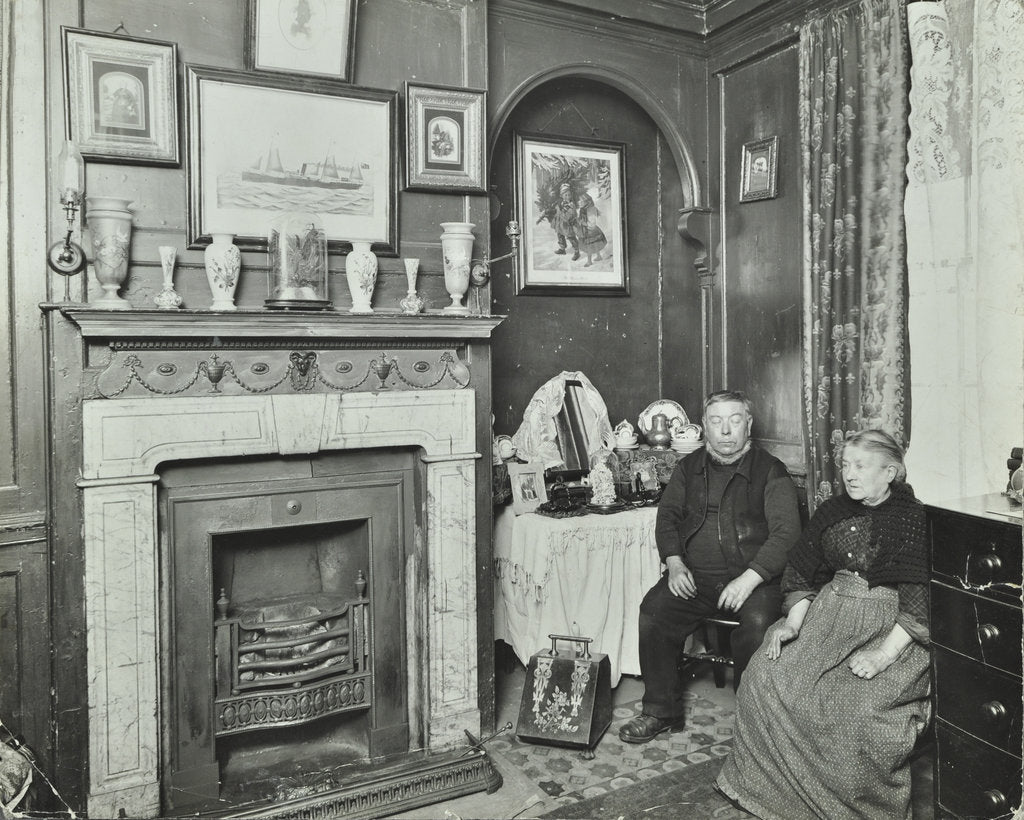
(758, 518)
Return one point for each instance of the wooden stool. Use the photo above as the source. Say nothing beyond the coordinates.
(715, 632)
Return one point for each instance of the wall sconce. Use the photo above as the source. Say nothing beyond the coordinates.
(481, 272)
(66, 257)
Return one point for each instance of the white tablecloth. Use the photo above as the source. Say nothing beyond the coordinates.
(591, 570)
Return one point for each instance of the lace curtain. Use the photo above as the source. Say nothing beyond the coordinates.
(965, 220)
(853, 115)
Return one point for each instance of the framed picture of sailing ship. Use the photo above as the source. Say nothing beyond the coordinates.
(263, 145)
(302, 36)
(121, 97)
(445, 144)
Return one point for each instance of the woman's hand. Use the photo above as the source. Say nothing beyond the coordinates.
(866, 663)
(777, 636)
(680, 579)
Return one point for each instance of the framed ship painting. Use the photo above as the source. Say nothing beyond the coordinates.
(263, 145)
(570, 195)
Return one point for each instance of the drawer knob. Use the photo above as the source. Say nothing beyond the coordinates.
(994, 711)
(989, 563)
(994, 800)
(294, 507)
(988, 633)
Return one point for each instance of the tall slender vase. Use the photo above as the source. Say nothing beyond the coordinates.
(361, 273)
(223, 265)
(412, 303)
(167, 299)
(457, 250)
(110, 225)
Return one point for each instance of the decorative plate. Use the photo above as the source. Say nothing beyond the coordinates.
(669, 408)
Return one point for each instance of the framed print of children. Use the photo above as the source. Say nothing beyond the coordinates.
(571, 193)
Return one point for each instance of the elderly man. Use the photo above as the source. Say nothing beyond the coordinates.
(726, 521)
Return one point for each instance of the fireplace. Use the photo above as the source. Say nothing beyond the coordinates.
(284, 650)
(131, 445)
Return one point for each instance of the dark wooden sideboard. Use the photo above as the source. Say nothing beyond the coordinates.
(976, 656)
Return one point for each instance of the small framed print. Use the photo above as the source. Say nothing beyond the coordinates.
(528, 491)
(121, 97)
(445, 150)
(760, 169)
(302, 37)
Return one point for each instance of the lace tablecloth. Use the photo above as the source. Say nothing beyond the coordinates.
(591, 570)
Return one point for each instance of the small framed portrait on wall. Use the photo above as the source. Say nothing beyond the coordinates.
(121, 97)
(760, 170)
(528, 491)
(300, 37)
(445, 151)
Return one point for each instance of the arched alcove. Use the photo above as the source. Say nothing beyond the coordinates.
(615, 339)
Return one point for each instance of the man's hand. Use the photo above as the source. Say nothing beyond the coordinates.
(866, 663)
(738, 590)
(777, 636)
(680, 579)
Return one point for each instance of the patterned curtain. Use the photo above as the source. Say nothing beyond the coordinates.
(965, 243)
(853, 120)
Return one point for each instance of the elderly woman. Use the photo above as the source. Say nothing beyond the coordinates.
(828, 714)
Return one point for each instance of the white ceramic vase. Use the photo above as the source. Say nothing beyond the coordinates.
(361, 273)
(412, 303)
(457, 251)
(223, 265)
(167, 299)
(110, 226)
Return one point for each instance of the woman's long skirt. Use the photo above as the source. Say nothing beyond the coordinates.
(815, 741)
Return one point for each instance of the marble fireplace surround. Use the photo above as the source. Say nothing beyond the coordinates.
(125, 441)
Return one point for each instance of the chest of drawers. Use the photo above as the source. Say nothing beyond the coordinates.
(976, 656)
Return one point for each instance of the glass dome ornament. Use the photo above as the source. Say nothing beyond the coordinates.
(297, 257)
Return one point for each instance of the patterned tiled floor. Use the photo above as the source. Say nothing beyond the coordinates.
(567, 773)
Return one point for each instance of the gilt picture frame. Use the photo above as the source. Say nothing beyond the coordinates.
(248, 164)
(446, 146)
(528, 490)
(759, 170)
(571, 200)
(300, 37)
(121, 97)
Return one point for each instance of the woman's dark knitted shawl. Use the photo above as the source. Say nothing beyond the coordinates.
(897, 526)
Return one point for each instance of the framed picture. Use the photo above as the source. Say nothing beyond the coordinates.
(445, 136)
(302, 37)
(121, 97)
(570, 197)
(760, 169)
(248, 163)
(528, 491)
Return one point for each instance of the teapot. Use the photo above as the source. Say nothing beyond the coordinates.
(659, 435)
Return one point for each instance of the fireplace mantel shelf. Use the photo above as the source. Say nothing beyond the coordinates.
(265, 324)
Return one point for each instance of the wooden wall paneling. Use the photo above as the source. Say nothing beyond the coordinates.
(25, 640)
(761, 285)
(24, 275)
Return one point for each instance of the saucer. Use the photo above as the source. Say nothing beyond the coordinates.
(628, 446)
